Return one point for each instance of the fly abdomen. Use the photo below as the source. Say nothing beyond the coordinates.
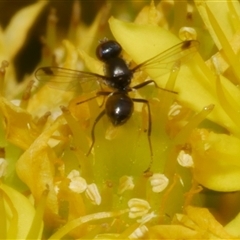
(119, 108)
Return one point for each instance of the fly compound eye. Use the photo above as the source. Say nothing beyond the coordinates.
(107, 50)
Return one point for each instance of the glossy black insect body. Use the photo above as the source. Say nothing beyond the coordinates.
(117, 74)
(119, 105)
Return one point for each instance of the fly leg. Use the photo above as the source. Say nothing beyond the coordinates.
(101, 114)
(100, 93)
(143, 84)
(149, 130)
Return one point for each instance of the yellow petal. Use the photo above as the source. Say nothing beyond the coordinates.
(55, 92)
(91, 63)
(19, 211)
(149, 15)
(19, 126)
(142, 42)
(216, 160)
(173, 232)
(225, 13)
(206, 222)
(36, 166)
(16, 31)
(233, 226)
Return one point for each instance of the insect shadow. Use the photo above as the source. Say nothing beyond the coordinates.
(118, 76)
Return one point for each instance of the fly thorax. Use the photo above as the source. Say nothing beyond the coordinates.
(118, 74)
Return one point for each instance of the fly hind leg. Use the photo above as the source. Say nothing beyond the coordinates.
(149, 130)
(101, 114)
(143, 84)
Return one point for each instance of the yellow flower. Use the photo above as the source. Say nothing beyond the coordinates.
(110, 194)
(12, 39)
(19, 219)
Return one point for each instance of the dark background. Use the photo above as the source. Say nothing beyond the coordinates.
(30, 54)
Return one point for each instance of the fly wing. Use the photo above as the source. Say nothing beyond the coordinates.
(69, 79)
(165, 60)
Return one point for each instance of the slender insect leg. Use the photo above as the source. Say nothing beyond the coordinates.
(100, 93)
(143, 84)
(104, 97)
(97, 95)
(101, 114)
(91, 98)
(149, 130)
(104, 94)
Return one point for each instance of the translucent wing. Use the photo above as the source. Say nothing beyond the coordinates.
(74, 80)
(69, 79)
(180, 52)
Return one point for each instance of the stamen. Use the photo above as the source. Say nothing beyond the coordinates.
(125, 183)
(146, 218)
(158, 182)
(187, 33)
(139, 233)
(174, 110)
(138, 207)
(77, 184)
(93, 195)
(185, 159)
(40, 122)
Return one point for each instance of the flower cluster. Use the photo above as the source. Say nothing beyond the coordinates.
(50, 188)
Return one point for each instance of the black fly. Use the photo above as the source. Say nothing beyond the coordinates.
(118, 76)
